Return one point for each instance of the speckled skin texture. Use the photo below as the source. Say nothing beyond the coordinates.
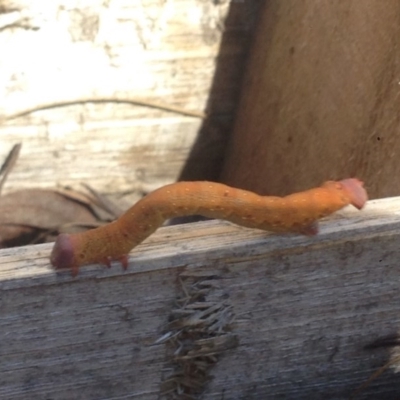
(297, 213)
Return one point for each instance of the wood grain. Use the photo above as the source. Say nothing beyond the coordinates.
(304, 309)
(160, 52)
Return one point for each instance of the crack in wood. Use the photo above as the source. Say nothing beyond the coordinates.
(199, 332)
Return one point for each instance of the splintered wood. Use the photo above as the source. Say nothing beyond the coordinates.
(199, 332)
(264, 316)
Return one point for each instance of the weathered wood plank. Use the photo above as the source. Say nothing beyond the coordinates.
(304, 309)
(157, 51)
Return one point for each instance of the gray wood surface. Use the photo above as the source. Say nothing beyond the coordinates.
(293, 314)
(187, 54)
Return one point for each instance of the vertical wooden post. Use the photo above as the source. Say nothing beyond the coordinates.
(321, 99)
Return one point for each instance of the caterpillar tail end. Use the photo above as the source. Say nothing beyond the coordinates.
(62, 255)
(355, 190)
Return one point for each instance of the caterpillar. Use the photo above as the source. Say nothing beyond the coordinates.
(296, 213)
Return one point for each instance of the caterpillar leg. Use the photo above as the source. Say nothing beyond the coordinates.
(122, 259)
(309, 230)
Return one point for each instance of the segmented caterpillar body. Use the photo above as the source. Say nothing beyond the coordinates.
(294, 213)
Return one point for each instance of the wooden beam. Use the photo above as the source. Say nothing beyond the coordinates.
(266, 316)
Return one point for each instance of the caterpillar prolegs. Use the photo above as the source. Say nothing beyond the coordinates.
(298, 212)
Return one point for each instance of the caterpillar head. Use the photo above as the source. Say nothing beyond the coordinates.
(62, 255)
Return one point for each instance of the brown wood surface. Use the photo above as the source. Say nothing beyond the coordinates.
(320, 99)
(303, 309)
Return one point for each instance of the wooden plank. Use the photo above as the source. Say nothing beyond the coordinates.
(303, 309)
(155, 51)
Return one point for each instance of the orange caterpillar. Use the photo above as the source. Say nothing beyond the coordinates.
(294, 213)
